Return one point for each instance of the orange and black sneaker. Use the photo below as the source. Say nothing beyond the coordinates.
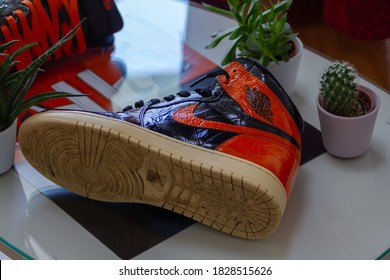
(226, 155)
(45, 22)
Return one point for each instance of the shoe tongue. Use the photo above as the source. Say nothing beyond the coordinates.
(102, 21)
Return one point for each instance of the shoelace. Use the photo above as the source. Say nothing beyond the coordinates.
(38, 26)
(204, 92)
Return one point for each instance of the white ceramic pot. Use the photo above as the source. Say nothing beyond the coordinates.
(286, 72)
(348, 137)
(7, 147)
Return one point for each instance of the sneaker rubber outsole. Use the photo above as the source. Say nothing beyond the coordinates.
(111, 160)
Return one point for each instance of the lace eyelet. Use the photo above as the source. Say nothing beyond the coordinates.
(183, 93)
(128, 108)
(203, 92)
(139, 104)
(169, 97)
(155, 101)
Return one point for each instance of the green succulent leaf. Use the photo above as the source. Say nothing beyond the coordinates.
(254, 7)
(32, 69)
(278, 8)
(253, 44)
(230, 55)
(217, 10)
(236, 34)
(233, 3)
(218, 37)
(14, 85)
(262, 32)
(5, 46)
(37, 99)
(280, 25)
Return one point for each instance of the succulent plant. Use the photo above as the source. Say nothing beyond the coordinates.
(338, 89)
(15, 84)
(262, 33)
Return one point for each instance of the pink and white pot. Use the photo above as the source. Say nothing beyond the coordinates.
(348, 137)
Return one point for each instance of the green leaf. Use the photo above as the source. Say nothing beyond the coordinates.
(263, 31)
(217, 10)
(280, 25)
(15, 85)
(219, 38)
(37, 99)
(6, 66)
(230, 55)
(16, 91)
(9, 61)
(23, 88)
(253, 13)
(223, 31)
(253, 44)
(236, 34)
(6, 45)
(265, 61)
(278, 8)
(233, 3)
(238, 12)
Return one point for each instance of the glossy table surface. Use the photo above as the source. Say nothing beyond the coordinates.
(339, 209)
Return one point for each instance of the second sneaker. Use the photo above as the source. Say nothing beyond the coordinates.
(46, 22)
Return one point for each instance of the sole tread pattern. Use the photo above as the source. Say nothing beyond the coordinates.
(104, 164)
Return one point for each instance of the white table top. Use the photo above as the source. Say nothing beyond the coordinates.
(339, 209)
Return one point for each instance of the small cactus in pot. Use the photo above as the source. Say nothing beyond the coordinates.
(347, 111)
(339, 92)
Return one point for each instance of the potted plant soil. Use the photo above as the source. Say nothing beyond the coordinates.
(14, 86)
(347, 111)
(263, 33)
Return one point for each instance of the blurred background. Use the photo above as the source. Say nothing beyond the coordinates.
(368, 56)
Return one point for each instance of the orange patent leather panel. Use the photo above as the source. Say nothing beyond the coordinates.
(236, 88)
(268, 150)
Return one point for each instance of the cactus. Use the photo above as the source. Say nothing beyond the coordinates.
(338, 89)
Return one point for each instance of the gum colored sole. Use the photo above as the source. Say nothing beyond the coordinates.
(110, 160)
